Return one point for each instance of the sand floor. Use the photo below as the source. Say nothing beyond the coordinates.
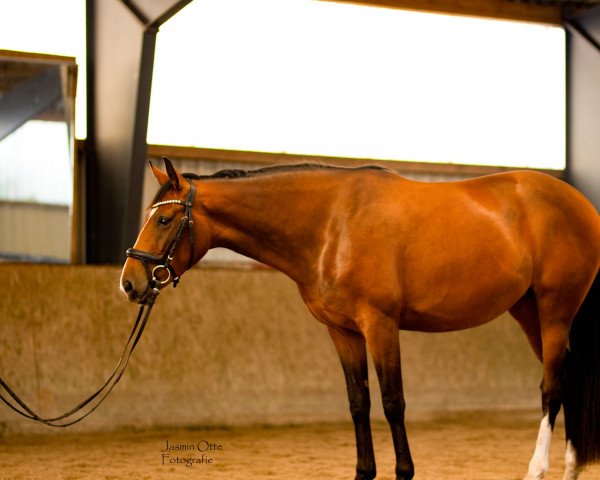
(474, 446)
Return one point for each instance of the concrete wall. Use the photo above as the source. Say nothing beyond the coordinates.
(226, 347)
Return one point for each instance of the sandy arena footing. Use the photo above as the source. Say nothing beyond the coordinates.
(463, 446)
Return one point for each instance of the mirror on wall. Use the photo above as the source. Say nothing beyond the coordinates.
(37, 157)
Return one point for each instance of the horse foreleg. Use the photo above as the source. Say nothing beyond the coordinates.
(383, 342)
(353, 355)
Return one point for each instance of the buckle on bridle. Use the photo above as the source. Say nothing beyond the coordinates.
(155, 275)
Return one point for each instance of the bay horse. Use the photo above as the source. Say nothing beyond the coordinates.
(373, 252)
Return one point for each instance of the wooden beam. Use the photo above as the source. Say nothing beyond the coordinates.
(495, 9)
(39, 57)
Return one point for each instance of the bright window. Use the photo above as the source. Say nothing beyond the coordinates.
(35, 166)
(311, 77)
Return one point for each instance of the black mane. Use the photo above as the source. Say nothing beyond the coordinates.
(238, 173)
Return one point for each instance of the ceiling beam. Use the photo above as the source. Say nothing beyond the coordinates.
(495, 9)
(587, 24)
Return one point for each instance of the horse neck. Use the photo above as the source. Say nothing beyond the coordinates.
(275, 219)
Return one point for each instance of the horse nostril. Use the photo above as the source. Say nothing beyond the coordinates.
(127, 286)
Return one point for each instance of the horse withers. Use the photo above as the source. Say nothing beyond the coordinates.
(373, 252)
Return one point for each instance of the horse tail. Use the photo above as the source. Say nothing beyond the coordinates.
(581, 379)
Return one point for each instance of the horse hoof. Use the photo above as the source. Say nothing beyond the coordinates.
(365, 475)
(406, 473)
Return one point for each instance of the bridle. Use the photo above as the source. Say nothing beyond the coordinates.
(156, 275)
(162, 262)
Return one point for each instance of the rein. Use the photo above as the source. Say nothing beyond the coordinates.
(162, 263)
(64, 420)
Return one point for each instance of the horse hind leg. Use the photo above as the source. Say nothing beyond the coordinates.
(554, 342)
(581, 378)
(525, 311)
(572, 468)
(556, 309)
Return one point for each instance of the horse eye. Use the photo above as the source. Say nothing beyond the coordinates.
(164, 221)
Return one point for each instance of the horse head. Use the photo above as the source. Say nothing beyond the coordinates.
(167, 244)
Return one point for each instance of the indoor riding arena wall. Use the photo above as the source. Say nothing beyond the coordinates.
(228, 347)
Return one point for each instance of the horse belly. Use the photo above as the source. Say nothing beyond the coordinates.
(462, 306)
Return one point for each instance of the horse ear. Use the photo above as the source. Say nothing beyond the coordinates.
(174, 176)
(161, 176)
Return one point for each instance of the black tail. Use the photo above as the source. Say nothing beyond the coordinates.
(581, 379)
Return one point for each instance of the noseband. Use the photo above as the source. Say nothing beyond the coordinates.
(163, 262)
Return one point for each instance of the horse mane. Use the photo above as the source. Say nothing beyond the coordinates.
(232, 174)
(238, 173)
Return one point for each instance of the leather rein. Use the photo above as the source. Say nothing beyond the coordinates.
(156, 279)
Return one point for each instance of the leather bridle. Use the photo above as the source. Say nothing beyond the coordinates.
(162, 263)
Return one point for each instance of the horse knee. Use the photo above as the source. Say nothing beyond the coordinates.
(393, 408)
(360, 407)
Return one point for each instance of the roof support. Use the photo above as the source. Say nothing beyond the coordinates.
(583, 109)
(120, 50)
